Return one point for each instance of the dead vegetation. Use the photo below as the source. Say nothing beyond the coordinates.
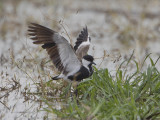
(25, 70)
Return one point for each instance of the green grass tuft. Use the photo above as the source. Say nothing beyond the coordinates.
(125, 96)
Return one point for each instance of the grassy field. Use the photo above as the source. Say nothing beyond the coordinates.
(117, 90)
(123, 96)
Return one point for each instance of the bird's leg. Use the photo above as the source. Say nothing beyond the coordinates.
(75, 85)
(76, 92)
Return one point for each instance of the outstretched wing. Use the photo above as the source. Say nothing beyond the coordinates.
(58, 48)
(82, 44)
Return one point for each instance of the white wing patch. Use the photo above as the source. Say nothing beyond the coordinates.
(82, 44)
(85, 43)
(69, 59)
(83, 48)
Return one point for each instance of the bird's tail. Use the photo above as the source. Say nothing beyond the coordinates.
(56, 77)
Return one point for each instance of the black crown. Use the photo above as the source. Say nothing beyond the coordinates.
(88, 58)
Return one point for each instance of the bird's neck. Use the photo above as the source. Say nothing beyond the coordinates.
(90, 68)
(87, 65)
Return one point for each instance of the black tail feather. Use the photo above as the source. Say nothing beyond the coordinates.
(55, 78)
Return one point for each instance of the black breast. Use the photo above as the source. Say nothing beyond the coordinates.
(80, 75)
(90, 69)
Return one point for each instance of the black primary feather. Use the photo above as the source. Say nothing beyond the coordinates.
(82, 37)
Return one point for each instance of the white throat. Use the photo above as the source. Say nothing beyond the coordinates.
(85, 63)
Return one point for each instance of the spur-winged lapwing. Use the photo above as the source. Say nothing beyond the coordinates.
(73, 62)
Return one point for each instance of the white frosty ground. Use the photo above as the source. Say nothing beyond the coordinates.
(111, 30)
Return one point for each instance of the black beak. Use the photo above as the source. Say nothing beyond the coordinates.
(94, 63)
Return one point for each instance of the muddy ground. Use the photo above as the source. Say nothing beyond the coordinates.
(116, 29)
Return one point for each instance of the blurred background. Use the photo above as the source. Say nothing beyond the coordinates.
(116, 27)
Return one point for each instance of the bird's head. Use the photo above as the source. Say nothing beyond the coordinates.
(88, 60)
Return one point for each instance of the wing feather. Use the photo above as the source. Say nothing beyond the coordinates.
(58, 48)
(82, 44)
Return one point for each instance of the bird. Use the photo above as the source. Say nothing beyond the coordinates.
(72, 61)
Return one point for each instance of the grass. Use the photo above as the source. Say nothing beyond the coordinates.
(123, 96)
